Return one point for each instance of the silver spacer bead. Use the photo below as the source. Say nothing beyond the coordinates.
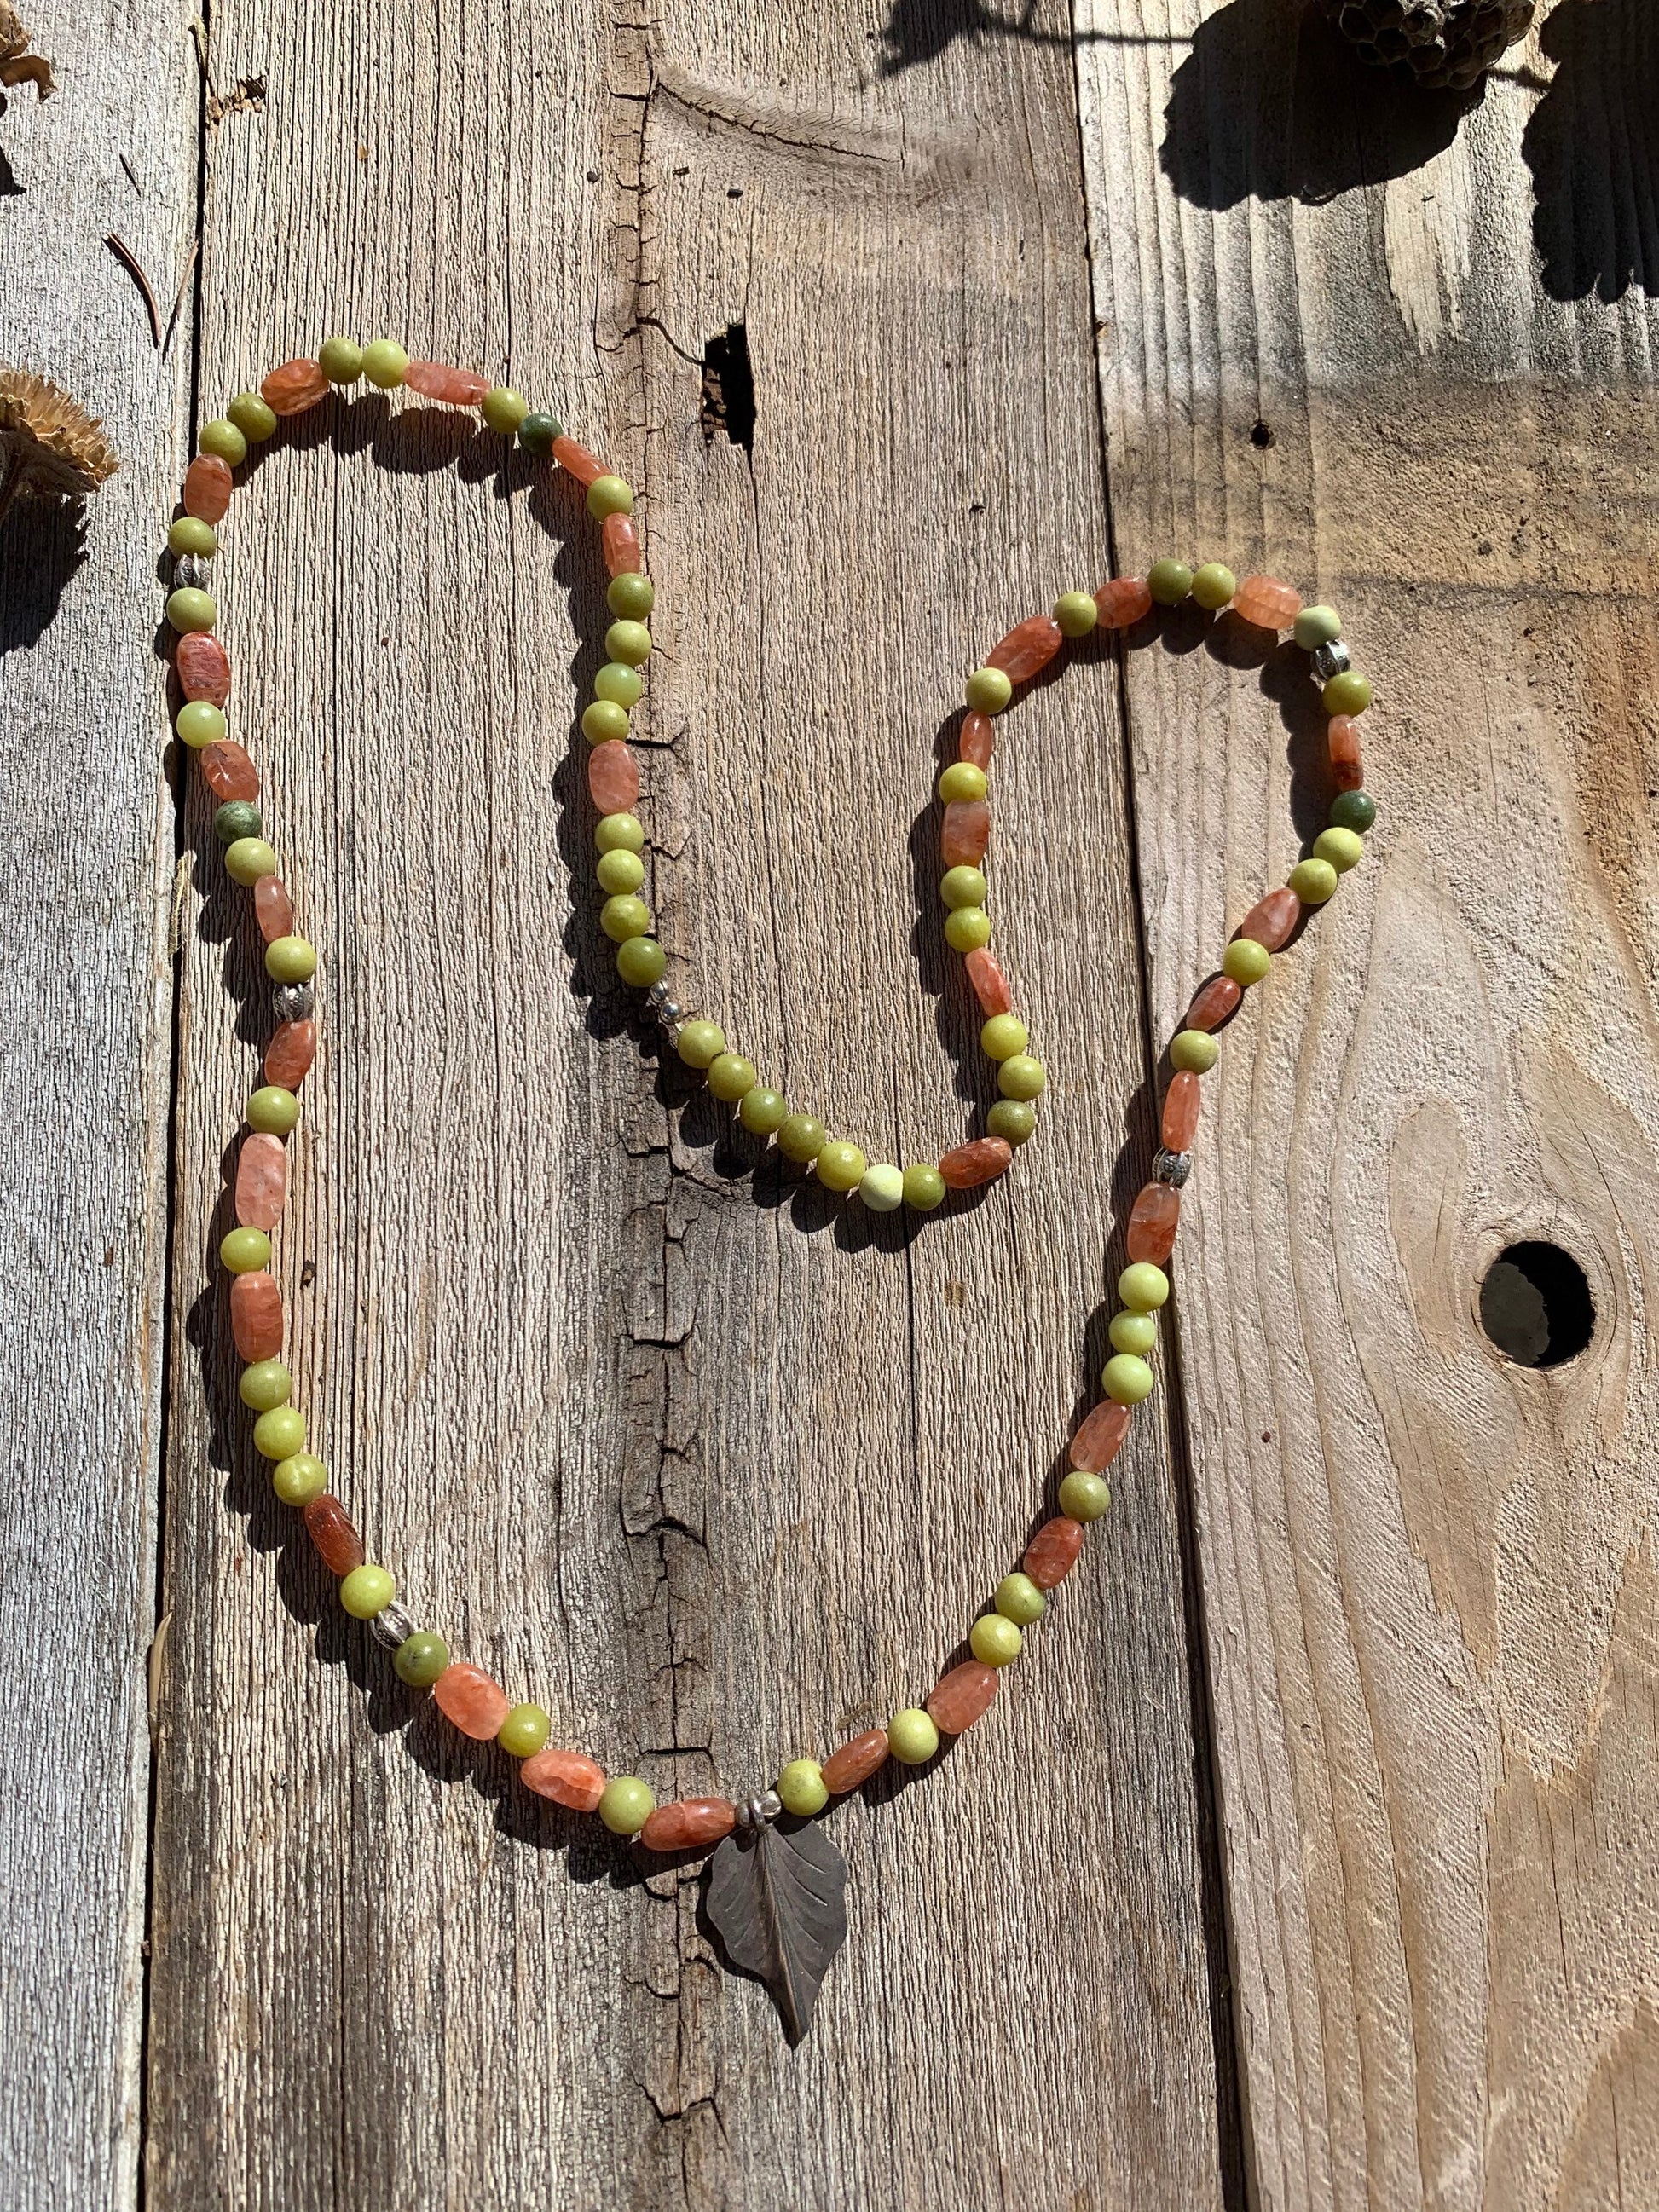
(670, 1014)
(1172, 1168)
(392, 1626)
(759, 1811)
(293, 1002)
(660, 992)
(1332, 659)
(191, 572)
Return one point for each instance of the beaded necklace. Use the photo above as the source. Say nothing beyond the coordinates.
(776, 1884)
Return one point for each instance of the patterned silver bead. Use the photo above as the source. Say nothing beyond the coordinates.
(1332, 659)
(191, 572)
(1172, 1168)
(392, 1626)
(759, 1811)
(293, 1002)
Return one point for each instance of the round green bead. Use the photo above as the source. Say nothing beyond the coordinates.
(619, 683)
(1343, 849)
(199, 723)
(604, 719)
(290, 960)
(1076, 613)
(962, 781)
(1246, 961)
(1022, 1077)
(249, 859)
(730, 1076)
(256, 418)
(1213, 587)
(1350, 693)
(1125, 1379)
(632, 596)
(800, 1138)
(1313, 881)
(924, 1188)
(994, 1640)
(882, 1188)
(1354, 809)
(266, 1383)
(1134, 1331)
(988, 691)
(524, 1731)
(190, 610)
(341, 360)
(1020, 1600)
(961, 887)
(1317, 626)
(503, 409)
(912, 1736)
(280, 1433)
(1084, 1496)
(640, 961)
(801, 1786)
(367, 1590)
(620, 871)
(629, 643)
(237, 818)
(1003, 1036)
(299, 1478)
(272, 1110)
(1013, 1120)
(625, 917)
(626, 1806)
(190, 534)
(224, 441)
(244, 1251)
(619, 833)
(762, 1112)
(537, 433)
(608, 495)
(1169, 582)
(967, 929)
(1142, 1287)
(1194, 1051)
(701, 1043)
(385, 364)
(841, 1166)
(420, 1659)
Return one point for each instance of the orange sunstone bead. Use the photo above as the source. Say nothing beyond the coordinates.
(435, 379)
(1266, 602)
(227, 771)
(468, 1698)
(261, 1181)
(1180, 1124)
(273, 909)
(619, 539)
(1272, 918)
(971, 1165)
(256, 1317)
(294, 386)
(292, 1048)
(965, 833)
(1215, 1001)
(613, 777)
(855, 1762)
(961, 1696)
(339, 1546)
(565, 1777)
(1028, 649)
(1154, 1220)
(976, 740)
(586, 468)
(689, 1822)
(204, 667)
(1347, 770)
(990, 984)
(207, 487)
(1053, 1552)
(1126, 599)
(1102, 1432)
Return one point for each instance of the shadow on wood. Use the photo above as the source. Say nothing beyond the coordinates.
(42, 543)
(1593, 148)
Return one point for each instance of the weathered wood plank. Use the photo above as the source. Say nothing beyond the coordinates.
(1428, 1574)
(86, 837)
(717, 1481)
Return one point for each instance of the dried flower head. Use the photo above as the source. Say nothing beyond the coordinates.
(50, 447)
(17, 64)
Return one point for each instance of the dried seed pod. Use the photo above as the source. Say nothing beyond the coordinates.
(50, 447)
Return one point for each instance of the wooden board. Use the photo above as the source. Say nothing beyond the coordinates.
(86, 991)
(1428, 1575)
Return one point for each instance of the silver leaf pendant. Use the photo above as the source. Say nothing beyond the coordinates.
(778, 1902)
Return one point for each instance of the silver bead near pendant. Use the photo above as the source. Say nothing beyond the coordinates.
(759, 1811)
(293, 1002)
(392, 1626)
(1172, 1168)
(190, 573)
(1332, 659)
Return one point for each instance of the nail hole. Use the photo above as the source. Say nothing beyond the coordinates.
(728, 389)
(1535, 1305)
(1261, 435)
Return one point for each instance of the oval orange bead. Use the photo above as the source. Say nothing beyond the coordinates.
(1179, 1123)
(961, 1696)
(965, 833)
(565, 1777)
(204, 667)
(227, 771)
(261, 1181)
(1215, 1001)
(256, 1317)
(976, 740)
(467, 1697)
(339, 1546)
(687, 1823)
(288, 1056)
(855, 1762)
(1028, 649)
(969, 1165)
(1102, 1432)
(613, 777)
(1266, 602)
(1126, 599)
(1272, 918)
(294, 386)
(990, 984)
(207, 487)
(619, 540)
(1154, 1220)
(1348, 770)
(273, 909)
(586, 468)
(435, 379)
(1053, 1552)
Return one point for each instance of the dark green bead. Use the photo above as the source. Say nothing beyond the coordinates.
(237, 818)
(538, 431)
(1354, 809)
(420, 1659)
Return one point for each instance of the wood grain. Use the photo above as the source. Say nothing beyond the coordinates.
(86, 842)
(1428, 1574)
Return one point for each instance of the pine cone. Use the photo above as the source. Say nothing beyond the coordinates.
(50, 447)
(17, 64)
(1442, 42)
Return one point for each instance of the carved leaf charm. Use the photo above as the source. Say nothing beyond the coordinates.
(778, 1903)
